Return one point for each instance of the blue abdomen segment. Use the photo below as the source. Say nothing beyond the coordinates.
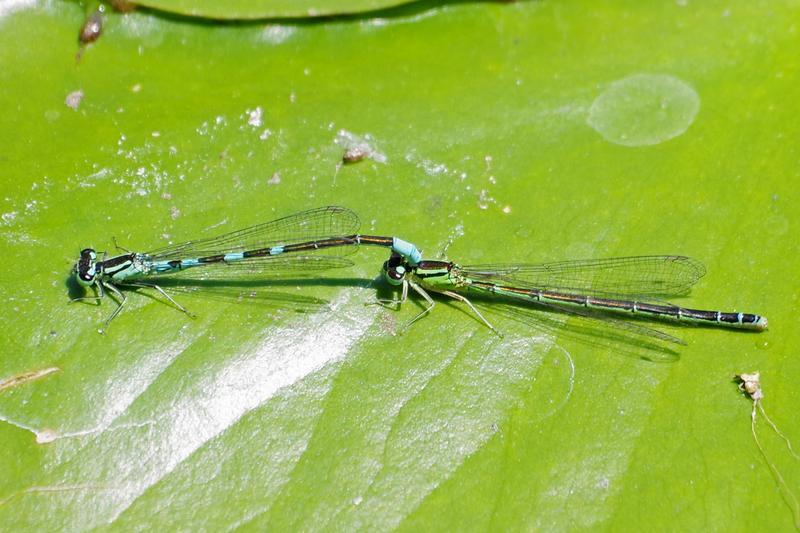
(407, 250)
(160, 267)
(163, 267)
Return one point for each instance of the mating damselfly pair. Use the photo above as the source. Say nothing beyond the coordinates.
(317, 240)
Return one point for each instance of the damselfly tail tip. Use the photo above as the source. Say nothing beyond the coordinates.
(762, 323)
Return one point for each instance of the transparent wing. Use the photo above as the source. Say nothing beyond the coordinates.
(261, 267)
(649, 275)
(624, 338)
(612, 323)
(252, 291)
(306, 226)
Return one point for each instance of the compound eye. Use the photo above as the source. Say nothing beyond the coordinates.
(86, 267)
(396, 274)
(87, 254)
(86, 277)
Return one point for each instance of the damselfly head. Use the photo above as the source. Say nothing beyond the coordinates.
(394, 270)
(86, 267)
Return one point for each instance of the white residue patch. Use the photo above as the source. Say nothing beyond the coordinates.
(142, 181)
(32, 206)
(207, 127)
(8, 7)
(463, 178)
(432, 168)
(276, 33)
(92, 179)
(254, 117)
(644, 109)
(146, 30)
(484, 199)
(73, 99)
(365, 144)
(457, 232)
(20, 212)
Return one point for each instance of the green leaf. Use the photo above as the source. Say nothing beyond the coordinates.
(523, 132)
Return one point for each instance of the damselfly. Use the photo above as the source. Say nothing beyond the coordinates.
(306, 241)
(622, 286)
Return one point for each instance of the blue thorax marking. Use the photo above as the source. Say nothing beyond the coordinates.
(407, 250)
